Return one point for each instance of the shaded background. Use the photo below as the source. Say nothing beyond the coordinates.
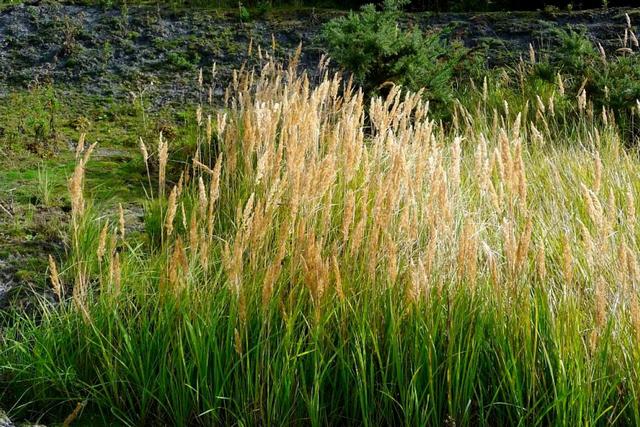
(456, 5)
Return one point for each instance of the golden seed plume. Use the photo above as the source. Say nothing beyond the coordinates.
(121, 223)
(55, 278)
(102, 242)
(171, 212)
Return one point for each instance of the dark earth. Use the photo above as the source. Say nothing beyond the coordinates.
(113, 52)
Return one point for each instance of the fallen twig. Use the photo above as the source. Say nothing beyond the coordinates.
(6, 210)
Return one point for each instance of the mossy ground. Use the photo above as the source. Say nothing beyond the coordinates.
(39, 130)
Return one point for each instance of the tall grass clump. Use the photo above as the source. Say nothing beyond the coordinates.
(326, 260)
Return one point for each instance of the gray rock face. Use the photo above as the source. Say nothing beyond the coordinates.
(113, 52)
(119, 51)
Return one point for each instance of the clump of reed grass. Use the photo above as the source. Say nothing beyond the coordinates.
(342, 260)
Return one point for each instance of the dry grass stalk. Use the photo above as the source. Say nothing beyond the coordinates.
(102, 242)
(600, 315)
(73, 415)
(202, 198)
(145, 158)
(194, 235)
(80, 145)
(163, 154)
(116, 275)
(337, 277)
(237, 342)
(560, 82)
(56, 284)
(523, 245)
(456, 154)
(630, 208)
(80, 290)
(178, 267)
(76, 184)
(214, 194)
(541, 266)
(121, 222)
(171, 212)
(467, 256)
(597, 180)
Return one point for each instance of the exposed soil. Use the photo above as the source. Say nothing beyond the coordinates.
(120, 52)
(507, 35)
(26, 240)
(130, 50)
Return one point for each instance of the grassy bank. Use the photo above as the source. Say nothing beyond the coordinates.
(322, 259)
(39, 130)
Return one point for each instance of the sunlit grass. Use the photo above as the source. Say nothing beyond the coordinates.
(327, 260)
